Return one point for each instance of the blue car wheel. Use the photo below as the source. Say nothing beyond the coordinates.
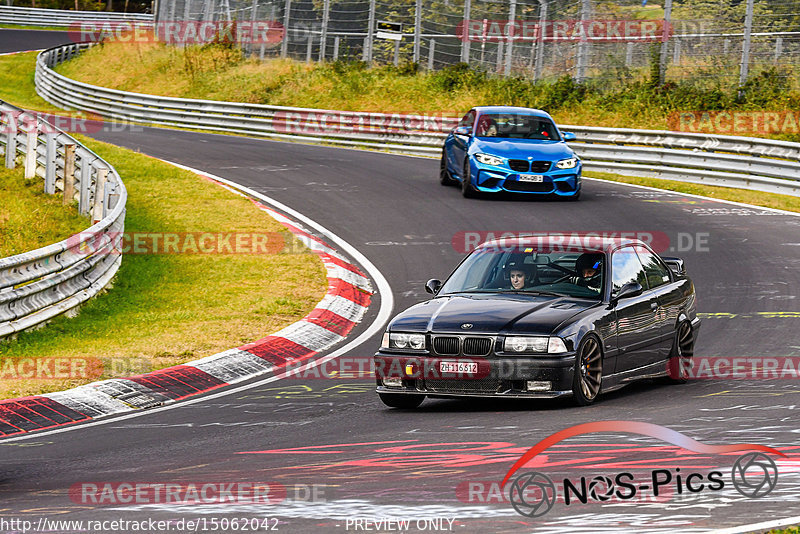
(444, 174)
(466, 182)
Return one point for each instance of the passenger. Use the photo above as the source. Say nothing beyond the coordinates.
(518, 275)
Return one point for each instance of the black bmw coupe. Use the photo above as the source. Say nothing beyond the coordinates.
(543, 316)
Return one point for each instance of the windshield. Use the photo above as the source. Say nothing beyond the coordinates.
(516, 126)
(530, 271)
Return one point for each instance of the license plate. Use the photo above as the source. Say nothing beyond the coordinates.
(458, 367)
(531, 178)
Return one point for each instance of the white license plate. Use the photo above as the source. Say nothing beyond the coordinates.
(531, 178)
(458, 367)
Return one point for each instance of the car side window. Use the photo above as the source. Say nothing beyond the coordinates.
(625, 268)
(468, 119)
(657, 274)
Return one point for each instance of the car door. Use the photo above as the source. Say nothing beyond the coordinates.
(668, 294)
(637, 329)
(460, 143)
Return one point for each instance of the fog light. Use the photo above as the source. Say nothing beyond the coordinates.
(535, 385)
(392, 382)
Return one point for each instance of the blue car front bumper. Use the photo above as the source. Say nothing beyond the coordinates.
(495, 179)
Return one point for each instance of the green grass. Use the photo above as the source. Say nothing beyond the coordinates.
(168, 309)
(31, 27)
(29, 219)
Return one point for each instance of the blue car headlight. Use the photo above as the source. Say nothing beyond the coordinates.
(488, 159)
(569, 163)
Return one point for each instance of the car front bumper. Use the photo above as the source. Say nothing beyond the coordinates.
(492, 179)
(496, 376)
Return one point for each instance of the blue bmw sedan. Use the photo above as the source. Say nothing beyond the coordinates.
(505, 148)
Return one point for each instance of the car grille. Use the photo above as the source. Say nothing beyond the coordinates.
(477, 346)
(446, 345)
(535, 187)
(453, 346)
(479, 385)
(519, 165)
(540, 166)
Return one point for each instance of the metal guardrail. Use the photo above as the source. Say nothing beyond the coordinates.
(728, 161)
(27, 16)
(38, 285)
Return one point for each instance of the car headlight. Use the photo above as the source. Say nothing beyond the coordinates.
(533, 344)
(567, 163)
(488, 159)
(403, 341)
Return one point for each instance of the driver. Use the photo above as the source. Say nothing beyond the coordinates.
(487, 127)
(589, 267)
(518, 275)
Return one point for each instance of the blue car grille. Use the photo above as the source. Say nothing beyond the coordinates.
(528, 187)
(519, 165)
(540, 166)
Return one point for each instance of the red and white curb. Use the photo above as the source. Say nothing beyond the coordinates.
(343, 307)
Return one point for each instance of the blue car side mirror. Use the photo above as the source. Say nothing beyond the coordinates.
(569, 136)
(462, 130)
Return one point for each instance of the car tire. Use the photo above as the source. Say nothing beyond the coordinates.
(444, 174)
(681, 354)
(400, 400)
(588, 376)
(466, 186)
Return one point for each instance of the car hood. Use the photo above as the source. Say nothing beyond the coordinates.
(523, 148)
(490, 314)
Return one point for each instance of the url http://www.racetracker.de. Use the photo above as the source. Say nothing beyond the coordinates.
(202, 524)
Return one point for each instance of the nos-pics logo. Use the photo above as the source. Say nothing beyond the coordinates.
(533, 494)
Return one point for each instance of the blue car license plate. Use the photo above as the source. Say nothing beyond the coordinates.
(531, 178)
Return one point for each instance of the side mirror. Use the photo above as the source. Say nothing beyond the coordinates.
(631, 289)
(676, 265)
(569, 136)
(462, 130)
(433, 286)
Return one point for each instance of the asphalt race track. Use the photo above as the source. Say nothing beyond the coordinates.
(339, 453)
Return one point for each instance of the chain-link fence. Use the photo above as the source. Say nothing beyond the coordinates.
(701, 40)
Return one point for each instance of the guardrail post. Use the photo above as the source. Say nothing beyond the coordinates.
(69, 172)
(86, 178)
(336, 48)
(308, 47)
(583, 44)
(431, 52)
(778, 47)
(11, 142)
(99, 194)
(50, 164)
(30, 150)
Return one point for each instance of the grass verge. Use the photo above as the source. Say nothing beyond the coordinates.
(29, 219)
(166, 309)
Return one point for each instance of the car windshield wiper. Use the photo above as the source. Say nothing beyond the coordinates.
(532, 292)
